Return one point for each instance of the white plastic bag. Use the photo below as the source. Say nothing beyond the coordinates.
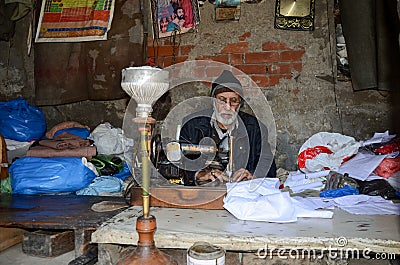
(326, 150)
(110, 140)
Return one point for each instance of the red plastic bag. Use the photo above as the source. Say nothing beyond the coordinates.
(388, 167)
(326, 151)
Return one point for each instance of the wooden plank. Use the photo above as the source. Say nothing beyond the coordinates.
(181, 197)
(10, 237)
(53, 211)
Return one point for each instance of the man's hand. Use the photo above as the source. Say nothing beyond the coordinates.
(242, 174)
(211, 175)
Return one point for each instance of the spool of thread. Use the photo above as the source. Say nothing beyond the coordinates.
(203, 253)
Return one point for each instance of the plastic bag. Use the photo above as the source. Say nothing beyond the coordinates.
(110, 140)
(104, 184)
(388, 167)
(20, 121)
(326, 151)
(35, 175)
(377, 187)
(339, 192)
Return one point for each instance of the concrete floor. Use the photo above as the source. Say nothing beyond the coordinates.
(14, 255)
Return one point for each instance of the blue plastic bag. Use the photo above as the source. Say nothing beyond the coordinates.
(339, 192)
(81, 132)
(101, 184)
(36, 175)
(20, 121)
(125, 172)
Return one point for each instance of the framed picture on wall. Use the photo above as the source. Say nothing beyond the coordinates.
(172, 17)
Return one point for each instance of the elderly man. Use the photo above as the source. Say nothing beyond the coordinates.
(251, 153)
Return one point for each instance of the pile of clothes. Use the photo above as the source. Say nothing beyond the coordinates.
(68, 158)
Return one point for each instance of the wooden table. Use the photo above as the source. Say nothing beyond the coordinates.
(56, 212)
(180, 228)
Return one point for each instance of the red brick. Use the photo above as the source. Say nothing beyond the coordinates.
(150, 51)
(261, 57)
(252, 68)
(280, 68)
(168, 61)
(214, 71)
(166, 41)
(175, 73)
(185, 50)
(273, 46)
(150, 41)
(236, 58)
(218, 58)
(200, 62)
(245, 36)
(284, 68)
(291, 56)
(158, 61)
(164, 51)
(240, 47)
(261, 80)
(297, 66)
(199, 72)
(274, 79)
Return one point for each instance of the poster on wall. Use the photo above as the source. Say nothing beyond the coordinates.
(171, 17)
(74, 21)
(227, 10)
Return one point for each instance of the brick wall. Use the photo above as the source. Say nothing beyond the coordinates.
(274, 62)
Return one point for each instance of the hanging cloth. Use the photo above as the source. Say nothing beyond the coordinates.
(371, 30)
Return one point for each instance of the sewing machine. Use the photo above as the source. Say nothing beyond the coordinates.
(170, 161)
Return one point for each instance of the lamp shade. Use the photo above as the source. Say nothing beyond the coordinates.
(145, 84)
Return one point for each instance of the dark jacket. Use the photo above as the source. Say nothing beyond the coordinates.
(251, 148)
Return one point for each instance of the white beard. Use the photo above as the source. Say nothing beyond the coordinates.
(226, 122)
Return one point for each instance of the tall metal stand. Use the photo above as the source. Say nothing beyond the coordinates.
(146, 252)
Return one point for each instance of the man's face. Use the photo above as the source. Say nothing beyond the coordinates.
(226, 105)
(180, 13)
(163, 24)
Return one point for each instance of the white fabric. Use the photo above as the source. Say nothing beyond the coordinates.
(110, 140)
(299, 182)
(379, 138)
(364, 204)
(361, 166)
(354, 204)
(261, 200)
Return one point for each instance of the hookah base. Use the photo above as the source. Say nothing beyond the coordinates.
(146, 253)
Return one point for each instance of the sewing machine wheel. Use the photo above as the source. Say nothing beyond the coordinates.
(156, 149)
